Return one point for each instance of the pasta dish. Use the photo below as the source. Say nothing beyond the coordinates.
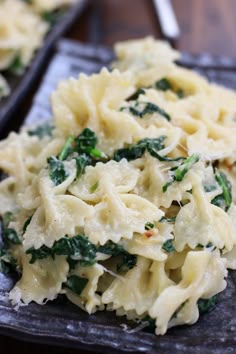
(125, 201)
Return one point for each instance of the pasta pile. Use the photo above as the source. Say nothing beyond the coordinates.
(126, 201)
(23, 26)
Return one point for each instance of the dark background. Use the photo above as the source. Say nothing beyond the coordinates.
(206, 26)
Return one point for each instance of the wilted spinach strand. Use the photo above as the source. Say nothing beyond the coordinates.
(140, 109)
(136, 95)
(67, 149)
(75, 284)
(41, 130)
(223, 200)
(114, 250)
(26, 224)
(168, 246)
(81, 148)
(181, 170)
(136, 151)
(163, 85)
(149, 225)
(16, 67)
(10, 235)
(78, 247)
(57, 170)
(207, 305)
(170, 220)
(7, 262)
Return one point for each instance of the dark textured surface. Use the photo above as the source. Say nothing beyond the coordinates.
(21, 85)
(62, 323)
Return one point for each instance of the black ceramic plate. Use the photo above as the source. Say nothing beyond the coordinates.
(21, 85)
(60, 322)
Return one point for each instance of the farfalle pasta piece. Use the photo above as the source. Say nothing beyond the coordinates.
(18, 37)
(57, 216)
(202, 277)
(88, 300)
(120, 216)
(136, 291)
(40, 281)
(98, 180)
(150, 243)
(199, 223)
(43, 6)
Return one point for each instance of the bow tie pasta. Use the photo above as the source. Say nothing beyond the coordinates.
(18, 38)
(126, 200)
(23, 26)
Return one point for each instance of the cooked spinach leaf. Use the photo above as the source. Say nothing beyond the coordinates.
(86, 141)
(67, 149)
(207, 305)
(209, 188)
(16, 67)
(81, 148)
(223, 200)
(170, 220)
(81, 162)
(136, 151)
(114, 250)
(27, 222)
(140, 109)
(136, 94)
(40, 253)
(51, 17)
(57, 170)
(168, 246)
(6, 219)
(7, 262)
(79, 248)
(151, 322)
(180, 93)
(111, 248)
(163, 85)
(76, 284)
(130, 153)
(9, 235)
(181, 170)
(209, 245)
(149, 225)
(41, 130)
(128, 262)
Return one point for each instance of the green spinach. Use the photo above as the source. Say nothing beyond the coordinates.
(114, 250)
(223, 200)
(168, 246)
(140, 109)
(16, 67)
(79, 248)
(181, 170)
(76, 284)
(207, 305)
(41, 131)
(57, 170)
